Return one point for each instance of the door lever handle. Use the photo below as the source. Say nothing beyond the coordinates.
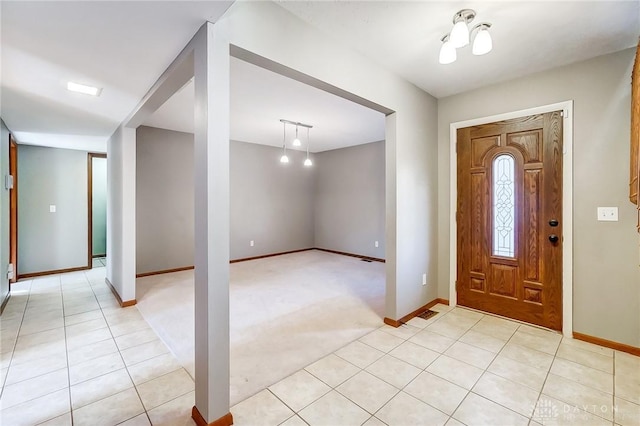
(553, 238)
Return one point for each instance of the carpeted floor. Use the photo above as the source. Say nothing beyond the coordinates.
(285, 313)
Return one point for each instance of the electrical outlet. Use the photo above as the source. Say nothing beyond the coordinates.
(608, 214)
(424, 279)
(375, 244)
(251, 243)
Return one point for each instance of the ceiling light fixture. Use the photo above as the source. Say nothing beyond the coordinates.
(284, 158)
(296, 142)
(460, 35)
(84, 89)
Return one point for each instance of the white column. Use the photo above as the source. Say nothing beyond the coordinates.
(211, 146)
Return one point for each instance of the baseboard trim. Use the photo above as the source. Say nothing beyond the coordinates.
(4, 302)
(55, 271)
(607, 343)
(375, 259)
(124, 304)
(165, 271)
(268, 255)
(408, 317)
(226, 420)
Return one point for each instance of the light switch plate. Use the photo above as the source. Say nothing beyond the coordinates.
(52, 208)
(608, 214)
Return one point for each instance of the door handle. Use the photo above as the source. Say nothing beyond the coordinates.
(553, 223)
(553, 238)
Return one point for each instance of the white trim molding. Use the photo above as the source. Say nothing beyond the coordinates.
(567, 200)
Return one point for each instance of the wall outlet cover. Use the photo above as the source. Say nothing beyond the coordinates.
(608, 214)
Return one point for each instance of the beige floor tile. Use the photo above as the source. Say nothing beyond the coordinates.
(299, 390)
(587, 358)
(294, 421)
(381, 341)
(56, 334)
(139, 420)
(28, 370)
(152, 368)
(404, 409)
(537, 331)
(33, 388)
(35, 353)
(496, 327)
(451, 327)
(527, 356)
(333, 409)
(3, 374)
(416, 355)
(579, 373)
(86, 316)
(393, 371)
(627, 413)
(165, 388)
(518, 372)
(404, 332)
(88, 338)
(626, 363)
(544, 343)
(33, 327)
(96, 367)
(128, 327)
(359, 354)
(482, 341)
(627, 386)
(85, 327)
(81, 308)
(63, 420)
(552, 412)
(422, 323)
(332, 370)
(518, 398)
(174, 412)
(470, 354)
(109, 411)
(576, 394)
(458, 372)
(434, 341)
(478, 411)
(374, 421)
(37, 410)
(100, 387)
(588, 346)
(92, 351)
(144, 352)
(367, 391)
(441, 308)
(454, 422)
(261, 409)
(437, 392)
(136, 338)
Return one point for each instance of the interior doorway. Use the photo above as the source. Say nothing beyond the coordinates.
(13, 212)
(97, 209)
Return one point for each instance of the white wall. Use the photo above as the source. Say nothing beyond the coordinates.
(4, 212)
(349, 204)
(52, 241)
(99, 206)
(606, 275)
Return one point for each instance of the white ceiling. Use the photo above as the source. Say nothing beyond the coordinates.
(528, 36)
(123, 47)
(260, 98)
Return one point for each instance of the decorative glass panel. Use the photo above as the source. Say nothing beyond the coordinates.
(504, 206)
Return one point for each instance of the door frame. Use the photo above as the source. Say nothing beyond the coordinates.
(567, 200)
(13, 209)
(90, 157)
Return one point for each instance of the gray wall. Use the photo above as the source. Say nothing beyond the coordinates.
(4, 212)
(99, 205)
(50, 241)
(606, 274)
(271, 202)
(164, 199)
(349, 202)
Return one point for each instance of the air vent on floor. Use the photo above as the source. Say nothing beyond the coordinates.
(427, 314)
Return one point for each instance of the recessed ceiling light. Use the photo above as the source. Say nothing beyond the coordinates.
(81, 88)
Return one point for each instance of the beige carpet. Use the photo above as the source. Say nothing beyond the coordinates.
(286, 312)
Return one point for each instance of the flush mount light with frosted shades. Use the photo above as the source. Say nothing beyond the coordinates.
(460, 36)
(296, 141)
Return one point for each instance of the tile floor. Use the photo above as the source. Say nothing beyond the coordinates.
(70, 355)
(99, 262)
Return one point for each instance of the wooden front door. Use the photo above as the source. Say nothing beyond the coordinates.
(509, 218)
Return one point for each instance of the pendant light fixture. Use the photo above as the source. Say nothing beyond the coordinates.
(308, 161)
(460, 35)
(284, 158)
(296, 141)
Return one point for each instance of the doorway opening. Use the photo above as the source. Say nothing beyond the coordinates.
(13, 212)
(97, 210)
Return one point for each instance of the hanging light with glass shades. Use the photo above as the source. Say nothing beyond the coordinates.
(296, 142)
(460, 36)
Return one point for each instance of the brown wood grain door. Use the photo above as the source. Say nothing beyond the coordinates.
(509, 218)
